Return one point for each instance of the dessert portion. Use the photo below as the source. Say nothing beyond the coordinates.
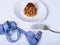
(30, 10)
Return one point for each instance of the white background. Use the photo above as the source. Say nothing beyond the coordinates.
(53, 20)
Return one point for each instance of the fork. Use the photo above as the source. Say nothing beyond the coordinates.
(43, 27)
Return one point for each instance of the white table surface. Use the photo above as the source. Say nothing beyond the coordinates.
(53, 20)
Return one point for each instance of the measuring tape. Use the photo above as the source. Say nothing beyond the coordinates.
(9, 28)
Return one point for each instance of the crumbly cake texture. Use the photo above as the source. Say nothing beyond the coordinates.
(30, 10)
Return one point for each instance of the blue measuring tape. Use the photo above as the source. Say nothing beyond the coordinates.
(9, 28)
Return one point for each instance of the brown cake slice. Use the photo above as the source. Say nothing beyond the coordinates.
(30, 10)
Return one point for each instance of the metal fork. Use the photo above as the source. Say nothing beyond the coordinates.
(43, 27)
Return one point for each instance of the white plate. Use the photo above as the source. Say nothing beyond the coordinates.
(41, 10)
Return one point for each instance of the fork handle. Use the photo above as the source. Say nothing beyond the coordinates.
(54, 31)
